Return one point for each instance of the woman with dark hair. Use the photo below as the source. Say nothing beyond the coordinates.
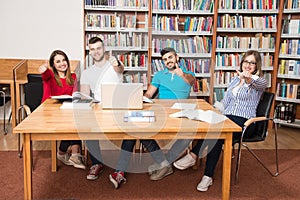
(58, 80)
(240, 103)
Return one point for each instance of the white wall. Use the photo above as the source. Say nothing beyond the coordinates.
(34, 28)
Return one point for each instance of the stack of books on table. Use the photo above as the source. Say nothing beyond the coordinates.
(139, 116)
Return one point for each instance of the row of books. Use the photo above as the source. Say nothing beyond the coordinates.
(285, 112)
(194, 65)
(288, 90)
(247, 22)
(234, 59)
(110, 21)
(198, 24)
(289, 67)
(128, 40)
(201, 85)
(194, 44)
(219, 94)
(183, 5)
(172, 23)
(201, 66)
(136, 77)
(248, 4)
(291, 4)
(223, 77)
(117, 3)
(134, 60)
(291, 26)
(265, 41)
(290, 47)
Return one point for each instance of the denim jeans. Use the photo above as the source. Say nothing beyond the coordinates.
(176, 150)
(127, 148)
(94, 151)
(64, 144)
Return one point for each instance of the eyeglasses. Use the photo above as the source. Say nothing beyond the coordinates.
(252, 64)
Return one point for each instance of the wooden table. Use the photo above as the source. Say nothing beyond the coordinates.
(48, 122)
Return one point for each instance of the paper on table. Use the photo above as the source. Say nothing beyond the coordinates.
(183, 106)
(201, 115)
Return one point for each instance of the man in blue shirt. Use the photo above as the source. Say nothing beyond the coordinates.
(172, 83)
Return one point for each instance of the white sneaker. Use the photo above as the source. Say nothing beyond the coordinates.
(64, 158)
(185, 162)
(153, 168)
(76, 161)
(204, 183)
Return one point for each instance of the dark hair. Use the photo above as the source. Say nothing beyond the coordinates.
(167, 50)
(257, 57)
(69, 79)
(94, 40)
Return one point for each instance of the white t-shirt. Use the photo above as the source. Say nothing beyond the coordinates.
(94, 76)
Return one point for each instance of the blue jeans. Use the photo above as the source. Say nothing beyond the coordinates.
(64, 144)
(94, 151)
(127, 148)
(177, 148)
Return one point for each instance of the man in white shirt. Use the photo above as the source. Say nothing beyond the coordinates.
(102, 71)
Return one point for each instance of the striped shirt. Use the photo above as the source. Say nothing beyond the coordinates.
(244, 102)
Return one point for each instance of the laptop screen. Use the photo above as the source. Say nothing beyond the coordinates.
(122, 95)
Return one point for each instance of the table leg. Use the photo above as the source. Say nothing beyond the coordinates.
(53, 155)
(226, 166)
(27, 166)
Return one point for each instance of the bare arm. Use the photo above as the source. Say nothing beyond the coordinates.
(118, 65)
(85, 89)
(150, 91)
(189, 78)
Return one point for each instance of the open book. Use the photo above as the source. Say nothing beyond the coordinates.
(77, 101)
(77, 97)
(208, 116)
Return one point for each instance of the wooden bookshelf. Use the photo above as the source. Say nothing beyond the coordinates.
(288, 70)
(212, 50)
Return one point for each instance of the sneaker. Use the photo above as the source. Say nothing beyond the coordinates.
(94, 172)
(64, 158)
(117, 178)
(204, 183)
(185, 162)
(76, 161)
(153, 168)
(161, 173)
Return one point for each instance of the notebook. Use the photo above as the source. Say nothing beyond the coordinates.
(122, 95)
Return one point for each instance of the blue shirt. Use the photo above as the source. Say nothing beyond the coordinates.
(170, 85)
(245, 103)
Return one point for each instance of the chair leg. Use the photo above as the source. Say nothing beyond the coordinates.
(276, 173)
(238, 160)
(20, 146)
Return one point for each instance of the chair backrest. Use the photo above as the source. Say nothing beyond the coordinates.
(33, 91)
(263, 110)
(34, 78)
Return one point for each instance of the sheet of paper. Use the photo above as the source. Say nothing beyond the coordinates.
(210, 117)
(184, 106)
(205, 116)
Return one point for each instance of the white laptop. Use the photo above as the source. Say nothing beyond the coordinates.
(122, 95)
